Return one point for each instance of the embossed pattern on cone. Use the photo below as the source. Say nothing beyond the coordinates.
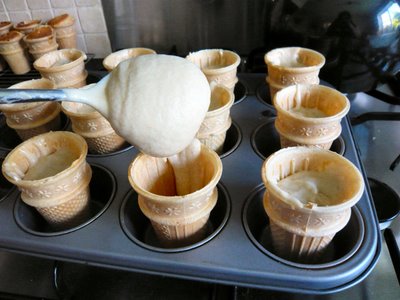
(219, 66)
(304, 227)
(105, 144)
(177, 218)
(53, 125)
(48, 189)
(295, 128)
(212, 132)
(65, 67)
(293, 65)
(70, 213)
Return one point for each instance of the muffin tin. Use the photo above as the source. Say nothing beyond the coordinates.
(236, 249)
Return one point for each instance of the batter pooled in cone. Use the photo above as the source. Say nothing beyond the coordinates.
(312, 187)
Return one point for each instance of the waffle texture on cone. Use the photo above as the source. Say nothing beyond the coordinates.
(294, 65)
(65, 67)
(52, 174)
(64, 26)
(317, 202)
(219, 66)
(30, 119)
(212, 131)
(309, 115)
(12, 50)
(176, 198)
(93, 127)
(41, 41)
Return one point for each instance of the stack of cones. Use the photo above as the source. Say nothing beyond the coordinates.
(301, 231)
(65, 67)
(64, 26)
(178, 211)
(112, 60)
(41, 41)
(31, 119)
(53, 176)
(219, 66)
(212, 132)
(13, 52)
(292, 65)
(296, 129)
(93, 127)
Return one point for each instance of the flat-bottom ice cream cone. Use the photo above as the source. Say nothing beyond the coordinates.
(213, 129)
(30, 119)
(93, 127)
(12, 50)
(179, 231)
(64, 26)
(178, 193)
(308, 198)
(41, 41)
(65, 67)
(294, 65)
(53, 176)
(219, 66)
(309, 115)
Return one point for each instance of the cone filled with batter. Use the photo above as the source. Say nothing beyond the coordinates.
(41, 41)
(53, 176)
(212, 132)
(64, 26)
(5, 26)
(219, 66)
(31, 119)
(12, 50)
(112, 60)
(177, 193)
(27, 26)
(93, 127)
(308, 199)
(65, 67)
(309, 115)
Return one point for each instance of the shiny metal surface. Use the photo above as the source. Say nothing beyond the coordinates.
(360, 39)
(182, 26)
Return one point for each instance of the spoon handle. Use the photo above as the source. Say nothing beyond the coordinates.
(11, 96)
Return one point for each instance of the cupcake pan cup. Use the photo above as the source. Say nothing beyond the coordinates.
(231, 250)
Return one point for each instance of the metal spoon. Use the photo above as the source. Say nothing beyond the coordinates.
(93, 96)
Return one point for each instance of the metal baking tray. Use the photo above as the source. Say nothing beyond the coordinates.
(237, 249)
